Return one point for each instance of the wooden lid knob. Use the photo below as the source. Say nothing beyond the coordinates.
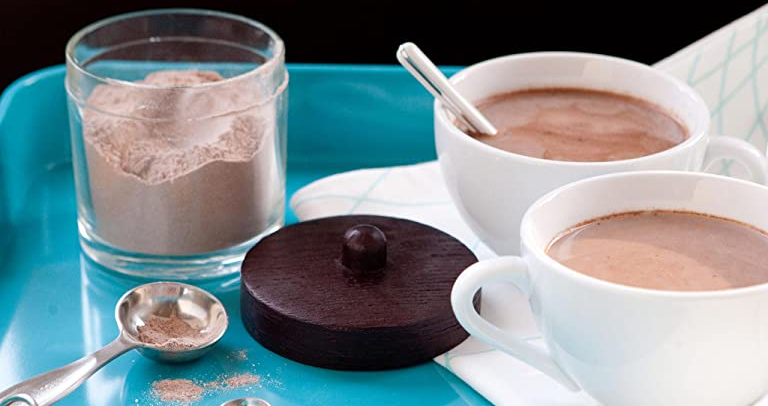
(364, 251)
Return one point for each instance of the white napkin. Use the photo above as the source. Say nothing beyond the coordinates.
(728, 68)
(417, 193)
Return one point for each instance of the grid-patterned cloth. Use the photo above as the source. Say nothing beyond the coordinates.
(727, 67)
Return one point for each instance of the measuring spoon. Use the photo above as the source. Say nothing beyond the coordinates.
(246, 402)
(195, 306)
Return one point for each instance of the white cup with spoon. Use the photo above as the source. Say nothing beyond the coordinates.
(492, 187)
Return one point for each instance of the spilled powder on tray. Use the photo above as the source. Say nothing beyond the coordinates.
(185, 391)
(241, 380)
(240, 355)
(182, 391)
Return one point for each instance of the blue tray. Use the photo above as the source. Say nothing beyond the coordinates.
(56, 306)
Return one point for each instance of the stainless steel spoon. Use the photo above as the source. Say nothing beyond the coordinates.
(415, 62)
(195, 306)
(246, 402)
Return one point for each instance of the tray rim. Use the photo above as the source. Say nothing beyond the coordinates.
(29, 78)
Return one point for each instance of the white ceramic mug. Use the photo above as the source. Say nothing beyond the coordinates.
(492, 188)
(629, 346)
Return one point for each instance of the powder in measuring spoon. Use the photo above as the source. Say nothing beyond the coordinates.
(171, 333)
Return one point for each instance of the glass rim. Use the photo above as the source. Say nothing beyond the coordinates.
(267, 66)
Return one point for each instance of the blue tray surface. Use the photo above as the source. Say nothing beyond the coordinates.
(56, 306)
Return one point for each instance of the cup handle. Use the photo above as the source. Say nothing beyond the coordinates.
(502, 269)
(721, 147)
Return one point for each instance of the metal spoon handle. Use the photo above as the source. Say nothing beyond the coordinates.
(413, 60)
(48, 388)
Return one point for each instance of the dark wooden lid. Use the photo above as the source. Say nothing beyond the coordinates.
(354, 292)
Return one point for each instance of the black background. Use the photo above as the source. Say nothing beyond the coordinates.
(33, 32)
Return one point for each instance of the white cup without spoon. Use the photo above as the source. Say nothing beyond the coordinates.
(624, 345)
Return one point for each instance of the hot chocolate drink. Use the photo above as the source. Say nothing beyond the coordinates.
(666, 250)
(569, 124)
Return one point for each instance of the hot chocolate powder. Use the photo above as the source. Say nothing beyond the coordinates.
(171, 333)
(182, 391)
(241, 380)
(185, 391)
(185, 169)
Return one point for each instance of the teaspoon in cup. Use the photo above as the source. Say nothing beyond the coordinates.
(415, 62)
(195, 306)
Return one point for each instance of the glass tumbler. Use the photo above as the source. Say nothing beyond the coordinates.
(178, 124)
